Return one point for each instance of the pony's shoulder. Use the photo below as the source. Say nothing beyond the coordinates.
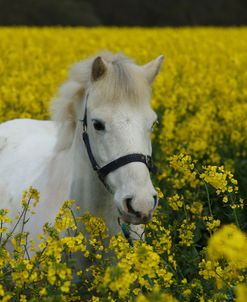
(22, 122)
(19, 125)
(16, 132)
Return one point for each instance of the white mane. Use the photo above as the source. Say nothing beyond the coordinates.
(123, 80)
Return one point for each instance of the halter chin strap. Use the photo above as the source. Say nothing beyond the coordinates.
(115, 164)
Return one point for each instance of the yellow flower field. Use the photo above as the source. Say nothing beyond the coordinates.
(195, 247)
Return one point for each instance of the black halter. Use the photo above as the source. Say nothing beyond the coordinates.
(115, 164)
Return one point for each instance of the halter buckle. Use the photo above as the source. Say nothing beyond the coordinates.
(149, 163)
(84, 128)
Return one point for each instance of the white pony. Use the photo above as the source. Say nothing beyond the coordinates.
(52, 157)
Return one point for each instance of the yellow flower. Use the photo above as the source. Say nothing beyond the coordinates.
(6, 298)
(175, 202)
(211, 224)
(241, 293)
(187, 292)
(196, 207)
(186, 232)
(23, 298)
(220, 179)
(160, 193)
(1, 290)
(231, 243)
(43, 292)
(200, 97)
(65, 287)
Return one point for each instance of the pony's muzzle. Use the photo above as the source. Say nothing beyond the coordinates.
(132, 215)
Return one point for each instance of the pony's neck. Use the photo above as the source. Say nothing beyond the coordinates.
(86, 188)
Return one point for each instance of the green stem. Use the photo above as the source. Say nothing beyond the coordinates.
(226, 283)
(236, 217)
(185, 212)
(39, 259)
(19, 219)
(208, 200)
(26, 249)
(234, 212)
(11, 233)
(76, 224)
(25, 213)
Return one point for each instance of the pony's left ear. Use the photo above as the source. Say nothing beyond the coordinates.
(152, 68)
(98, 68)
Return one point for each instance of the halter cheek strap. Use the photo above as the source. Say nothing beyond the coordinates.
(115, 164)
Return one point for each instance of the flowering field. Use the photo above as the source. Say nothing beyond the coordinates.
(195, 248)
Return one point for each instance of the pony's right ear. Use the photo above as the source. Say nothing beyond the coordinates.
(152, 68)
(98, 69)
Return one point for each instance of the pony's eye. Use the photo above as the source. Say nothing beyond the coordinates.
(98, 125)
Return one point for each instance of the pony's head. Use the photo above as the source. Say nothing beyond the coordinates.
(119, 122)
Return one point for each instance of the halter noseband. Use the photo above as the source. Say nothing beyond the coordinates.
(115, 164)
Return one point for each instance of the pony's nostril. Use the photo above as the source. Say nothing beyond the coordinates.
(129, 206)
(155, 200)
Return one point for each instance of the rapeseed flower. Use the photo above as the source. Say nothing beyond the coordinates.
(189, 254)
